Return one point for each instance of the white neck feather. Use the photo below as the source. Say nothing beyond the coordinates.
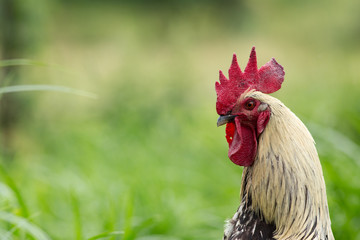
(286, 182)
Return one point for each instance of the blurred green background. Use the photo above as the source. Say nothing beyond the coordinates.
(145, 160)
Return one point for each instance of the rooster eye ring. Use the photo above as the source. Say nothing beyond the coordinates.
(250, 104)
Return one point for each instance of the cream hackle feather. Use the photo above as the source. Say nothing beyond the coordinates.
(286, 182)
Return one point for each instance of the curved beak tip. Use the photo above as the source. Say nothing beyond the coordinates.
(218, 124)
(223, 119)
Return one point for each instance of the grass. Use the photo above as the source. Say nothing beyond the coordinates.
(145, 159)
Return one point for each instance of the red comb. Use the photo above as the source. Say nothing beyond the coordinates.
(267, 79)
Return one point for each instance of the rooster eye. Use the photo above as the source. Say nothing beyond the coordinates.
(250, 104)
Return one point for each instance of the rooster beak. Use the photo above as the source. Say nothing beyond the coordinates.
(223, 119)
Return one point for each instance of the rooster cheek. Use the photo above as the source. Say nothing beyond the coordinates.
(262, 121)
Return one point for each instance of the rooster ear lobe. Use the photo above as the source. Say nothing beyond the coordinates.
(251, 67)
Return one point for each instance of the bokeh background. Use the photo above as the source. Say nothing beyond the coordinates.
(145, 160)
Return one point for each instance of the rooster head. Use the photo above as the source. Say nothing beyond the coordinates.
(245, 117)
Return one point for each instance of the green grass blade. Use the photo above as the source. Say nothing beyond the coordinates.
(10, 182)
(129, 233)
(77, 216)
(20, 62)
(25, 225)
(40, 87)
(27, 62)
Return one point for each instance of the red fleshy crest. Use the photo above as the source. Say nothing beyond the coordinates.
(267, 79)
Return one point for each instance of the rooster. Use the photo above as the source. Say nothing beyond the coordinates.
(283, 193)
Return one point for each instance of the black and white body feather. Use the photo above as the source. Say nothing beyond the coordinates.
(246, 224)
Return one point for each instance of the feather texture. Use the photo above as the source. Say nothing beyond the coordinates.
(283, 193)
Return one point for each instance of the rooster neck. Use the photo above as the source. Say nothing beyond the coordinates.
(285, 186)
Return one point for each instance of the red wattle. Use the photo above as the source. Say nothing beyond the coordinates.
(242, 148)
